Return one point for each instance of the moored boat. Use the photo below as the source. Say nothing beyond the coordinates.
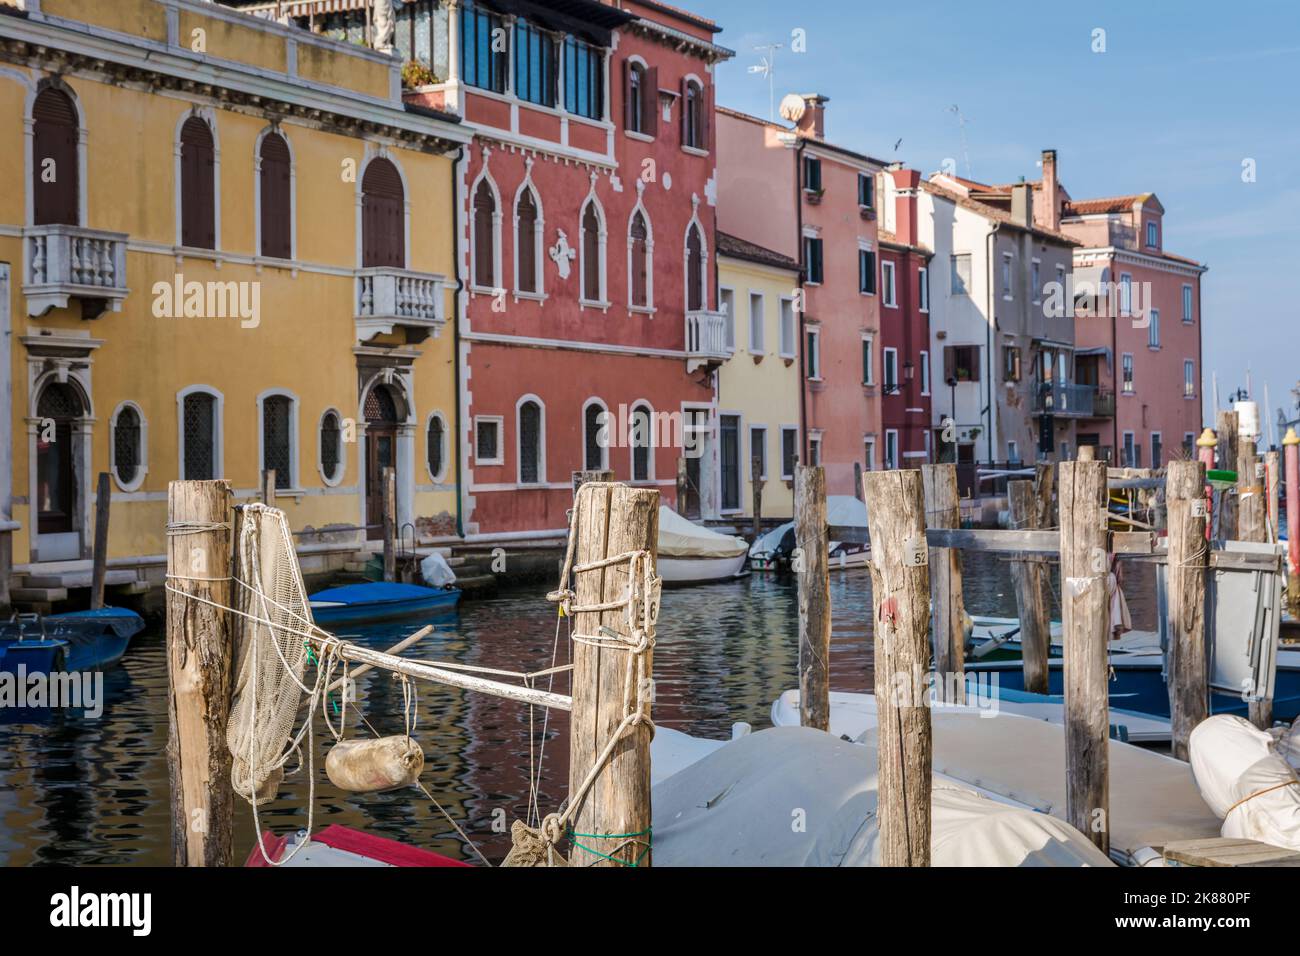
(691, 554)
(380, 601)
(91, 639)
(845, 516)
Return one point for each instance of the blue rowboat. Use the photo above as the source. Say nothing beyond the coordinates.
(36, 656)
(380, 601)
(94, 639)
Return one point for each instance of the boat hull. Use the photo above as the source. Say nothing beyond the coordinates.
(679, 572)
(410, 601)
(93, 639)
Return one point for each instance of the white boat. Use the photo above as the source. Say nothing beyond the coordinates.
(691, 554)
(771, 551)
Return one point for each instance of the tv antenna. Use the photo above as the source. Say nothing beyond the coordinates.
(961, 124)
(766, 66)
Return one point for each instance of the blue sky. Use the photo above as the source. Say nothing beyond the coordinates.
(1183, 93)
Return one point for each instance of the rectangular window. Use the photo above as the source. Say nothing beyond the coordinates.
(1153, 330)
(961, 363)
(1126, 366)
(758, 449)
(1006, 275)
(869, 453)
(812, 258)
(812, 174)
(814, 451)
(788, 328)
(1130, 451)
(1010, 363)
(868, 364)
(536, 64)
(866, 190)
(891, 449)
(1034, 288)
(729, 452)
(889, 361)
(483, 53)
(1153, 241)
(923, 289)
(961, 274)
(487, 441)
(1157, 450)
(925, 372)
(1189, 444)
(756, 322)
(1013, 451)
(867, 271)
(1187, 303)
(789, 451)
(584, 79)
(887, 283)
(727, 302)
(812, 352)
(1189, 378)
(1125, 294)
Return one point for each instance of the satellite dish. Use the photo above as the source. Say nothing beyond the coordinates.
(792, 107)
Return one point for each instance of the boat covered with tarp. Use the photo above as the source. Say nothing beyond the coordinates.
(692, 554)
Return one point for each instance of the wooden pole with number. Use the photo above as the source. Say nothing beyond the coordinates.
(1187, 567)
(943, 510)
(812, 571)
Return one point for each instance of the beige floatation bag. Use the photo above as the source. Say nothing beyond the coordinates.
(369, 766)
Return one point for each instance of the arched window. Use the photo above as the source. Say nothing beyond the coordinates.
(56, 172)
(594, 439)
(383, 216)
(277, 438)
(198, 185)
(593, 279)
(331, 457)
(695, 115)
(485, 215)
(199, 437)
(530, 443)
(436, 446)
(526, 244)
(642, 442)
(275, 197)
(128, 446)
(639, 238)
(694, 269)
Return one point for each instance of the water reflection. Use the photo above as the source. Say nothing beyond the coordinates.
(96, 792)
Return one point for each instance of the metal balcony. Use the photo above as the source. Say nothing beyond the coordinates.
(391, 299)
(706, 340)
(62, 263)
(1067, 401)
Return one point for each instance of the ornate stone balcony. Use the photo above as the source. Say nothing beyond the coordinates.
(62, 263)
(706, 340)
(389, 299)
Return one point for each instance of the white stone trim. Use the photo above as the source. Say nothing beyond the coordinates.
(143, 467)
(218, 429)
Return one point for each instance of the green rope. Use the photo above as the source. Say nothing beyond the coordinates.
(648, 832)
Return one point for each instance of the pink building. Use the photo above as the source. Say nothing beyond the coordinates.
(794, 192)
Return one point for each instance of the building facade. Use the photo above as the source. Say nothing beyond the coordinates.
(220, 263)
(759, 385)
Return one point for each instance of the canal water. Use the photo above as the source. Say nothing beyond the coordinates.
(79, 791)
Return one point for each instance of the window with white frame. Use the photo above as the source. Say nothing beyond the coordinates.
(1153, 235)
(279, 448)
(642, 443)
(727, 302)
(1126, 367)
(889, 363)
(814, 450)
(1006, 275)
(813, 354)
(789, 328)
(1130, 451)
(1153, 329)
(756, 323)
(866, 190)
(887, 284)
(925, 372)
(1125, 294)
(530, 429)
(1013, 451)
(528, 244)
(868, 361)
(923, 289)
(487, 440)
(866, 271)
(869, 452)
(1187, 303)
(1189, 378)
(1157, 450)
(595, 441)
(789, 451)
(961, 273)
(758, 449)
(891, 449)
(812, 259)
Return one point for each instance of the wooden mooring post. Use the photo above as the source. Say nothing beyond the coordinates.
(812, 571)
(1252, 507)
(390, 524)
(1027, 575)
(1272, 477)
(99, 557)
(756, 483)
(1225, 429)
(943, 510)
(1085, 607)
(1187, 567)
(613, 520)
(900, 597)
(199, 655)
(1291, 451)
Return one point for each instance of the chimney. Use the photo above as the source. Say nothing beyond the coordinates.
(1051, 208)
(813, 121)
(906, 184)
(1022, 204)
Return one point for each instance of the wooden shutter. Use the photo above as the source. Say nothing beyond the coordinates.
(276, 211)
(650, 102)
(686, 114)
(949, 364)
(198, 185)
(706, 115)
(54, 148)
(383, 217)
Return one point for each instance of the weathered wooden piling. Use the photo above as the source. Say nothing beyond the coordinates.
(1027, 574)
(99, 556)
(812, 571)
(900, 596)
(199, 655)
(1044, 493)
(1187, 567)
(1252, 508)
(390, 524)
(1291, 450)
(268, 487)
(580, 478)
(943, 510)
(613, 819)
(1085, 609)
(1225, 429)
(756, 482)
(1087, 453)
(1272, 478)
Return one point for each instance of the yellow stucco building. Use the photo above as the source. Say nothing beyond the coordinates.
(759, 385)
(224, 247)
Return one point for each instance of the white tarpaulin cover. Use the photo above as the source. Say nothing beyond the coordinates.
(680, 538)
(739, 806)
(845, 511)
(1245, 781)
(435, 570)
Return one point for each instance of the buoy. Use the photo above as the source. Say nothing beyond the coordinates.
(371, 766)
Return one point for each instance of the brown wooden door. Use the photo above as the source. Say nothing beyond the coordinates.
(383, 218)
(381, 453)
(55, 170)
(276, 208)
(56, 479)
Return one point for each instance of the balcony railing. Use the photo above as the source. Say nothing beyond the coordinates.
(706, 339)
(62, 263)
(389, 299)
(1103, 406)
(1072, 401)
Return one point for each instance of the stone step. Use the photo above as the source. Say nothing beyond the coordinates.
(78, 578)
(38, 595)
